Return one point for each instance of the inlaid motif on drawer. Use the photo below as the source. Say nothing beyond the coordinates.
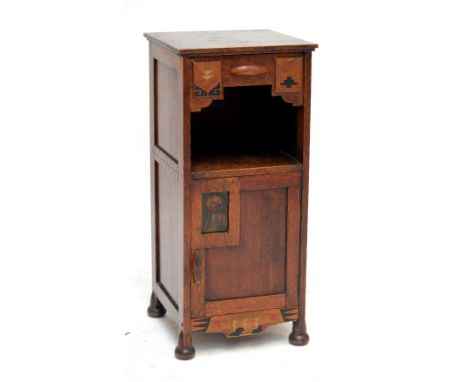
(288, 78)
(207, 79)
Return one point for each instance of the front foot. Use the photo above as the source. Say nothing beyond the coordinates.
(299, 336)
(184, 350)
(155, 308)
(298, 339)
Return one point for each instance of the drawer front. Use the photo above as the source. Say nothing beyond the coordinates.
(248, 70)
(283, 72)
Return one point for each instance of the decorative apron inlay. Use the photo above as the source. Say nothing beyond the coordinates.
(288, 78)
(207, 79)
(244, 324)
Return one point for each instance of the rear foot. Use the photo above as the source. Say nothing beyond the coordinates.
(155, 308)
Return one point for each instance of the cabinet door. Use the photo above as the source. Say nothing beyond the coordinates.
(245, 244)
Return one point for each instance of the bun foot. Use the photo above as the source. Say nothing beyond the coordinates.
(184, 354)
(155, 308)
(184, 350)
(299, 336)
(298, 339)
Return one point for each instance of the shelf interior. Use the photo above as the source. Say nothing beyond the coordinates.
(237, 164)
(247, 132)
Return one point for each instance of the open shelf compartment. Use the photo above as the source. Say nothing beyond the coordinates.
(248, 132)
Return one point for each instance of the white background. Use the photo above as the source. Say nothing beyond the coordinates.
(388, 246)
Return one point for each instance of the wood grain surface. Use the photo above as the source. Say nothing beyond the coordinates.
(225, 42)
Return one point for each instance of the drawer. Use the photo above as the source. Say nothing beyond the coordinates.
(248, 70)
(283, 72)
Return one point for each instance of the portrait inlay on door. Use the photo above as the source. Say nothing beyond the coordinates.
(230, 137)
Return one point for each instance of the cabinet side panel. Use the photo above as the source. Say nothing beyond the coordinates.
(170, 233)
(170, 117)
(170, 180)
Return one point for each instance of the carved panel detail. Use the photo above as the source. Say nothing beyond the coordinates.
(288, 78)
(166, 161)
(244, 324)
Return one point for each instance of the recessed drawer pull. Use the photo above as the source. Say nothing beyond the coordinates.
(248, 70)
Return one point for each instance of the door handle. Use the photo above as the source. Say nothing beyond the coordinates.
(197, 266)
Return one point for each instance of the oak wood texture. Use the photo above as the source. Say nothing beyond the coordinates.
(239, 305)
(299, 326)
(229, 155)
(232, 164)
(256, 266)
(228, 42)
(166, 190)
(261, 262)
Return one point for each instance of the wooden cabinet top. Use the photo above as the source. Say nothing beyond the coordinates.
(229, 42)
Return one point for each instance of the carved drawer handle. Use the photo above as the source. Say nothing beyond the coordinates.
(248, 70)
(197, 266)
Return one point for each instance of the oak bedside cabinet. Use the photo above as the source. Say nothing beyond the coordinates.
(229, 144)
